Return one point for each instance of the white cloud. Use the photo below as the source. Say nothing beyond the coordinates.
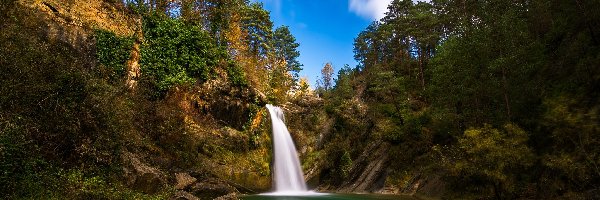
(371, 9)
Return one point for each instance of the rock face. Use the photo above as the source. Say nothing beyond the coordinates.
(73, 22)
(140, 176)
(133, 66)
(369, 171)
(431, 186)
(227, 103)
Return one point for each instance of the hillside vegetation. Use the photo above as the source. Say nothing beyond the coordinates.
(128, 100)
(161, 99)
(490, 99)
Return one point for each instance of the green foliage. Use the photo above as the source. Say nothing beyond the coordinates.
(343, 87)
(285, 46)
(137, 6)
(428, 71)
(65, 120)
(177, 54)
(575, 151)
(493, 157)
(56, 114)
(236, 75)
(257, 22)
(81, 185)
(113, 52)
(345, 164)
(255, 135)
(90, 139)
(19, 156)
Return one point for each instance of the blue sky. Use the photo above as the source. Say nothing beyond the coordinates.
(325, 29)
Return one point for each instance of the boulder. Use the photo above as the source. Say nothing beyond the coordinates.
(212, 188)
(140, 176)
(182, 180)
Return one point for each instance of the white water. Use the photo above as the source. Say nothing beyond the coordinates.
(288, 176)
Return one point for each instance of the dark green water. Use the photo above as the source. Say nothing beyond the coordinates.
(330, 196)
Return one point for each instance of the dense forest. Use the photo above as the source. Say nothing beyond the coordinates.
(163, 99)
(498, 97)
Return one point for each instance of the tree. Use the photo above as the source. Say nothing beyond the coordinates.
(303, 86)
(327, 76)
(343, 90)
(280, 81)
(257, 22)
(285, 46)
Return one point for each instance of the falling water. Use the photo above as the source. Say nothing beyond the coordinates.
(287, 172)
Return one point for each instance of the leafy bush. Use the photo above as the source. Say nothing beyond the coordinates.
(17, 156)
(175, 53)
(113, 51)
(491, 160)
(345, 164)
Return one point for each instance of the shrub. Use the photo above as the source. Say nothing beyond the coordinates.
(492, 160)
(113, 52)
(175, 53)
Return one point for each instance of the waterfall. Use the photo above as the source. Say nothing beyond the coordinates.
(288, 176)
